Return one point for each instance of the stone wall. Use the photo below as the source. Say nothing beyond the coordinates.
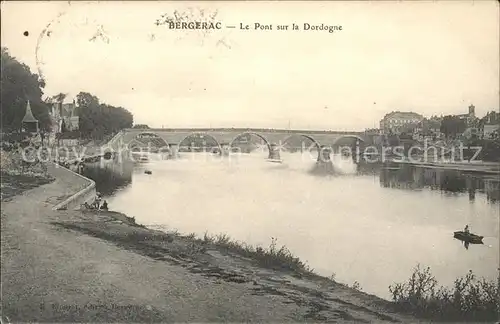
(82, 189)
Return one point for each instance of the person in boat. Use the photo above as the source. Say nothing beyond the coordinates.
(466, 229)
(104, 205)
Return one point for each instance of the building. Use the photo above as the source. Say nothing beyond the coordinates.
(491, 131)
(29, 122)
(427, 129)
(490, 125)
(64, 117)
(395, 122)
(469, 118)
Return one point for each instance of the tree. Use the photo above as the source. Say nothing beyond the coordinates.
(141, 126)
(59, 97)
(98, 119)
(451, 126)
(18, 85)
(88, 106)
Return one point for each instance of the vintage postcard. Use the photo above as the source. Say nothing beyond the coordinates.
(237, 161)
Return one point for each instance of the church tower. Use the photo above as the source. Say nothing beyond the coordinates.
(472, 111)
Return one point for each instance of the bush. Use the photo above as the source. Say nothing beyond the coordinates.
(12, 163)
(272, 257)
(470, 298)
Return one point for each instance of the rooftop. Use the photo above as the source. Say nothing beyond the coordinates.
(28, 116)
(400, 113)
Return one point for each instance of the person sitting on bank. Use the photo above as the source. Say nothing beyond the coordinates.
(97, 201)
(466, 229)
(104, 205)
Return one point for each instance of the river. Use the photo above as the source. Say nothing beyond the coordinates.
(373, 225)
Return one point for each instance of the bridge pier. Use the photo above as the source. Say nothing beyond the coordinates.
(325, 154)
(324, 164)
(356, 151)
(226, 149)
(274, 152)
(174, 151)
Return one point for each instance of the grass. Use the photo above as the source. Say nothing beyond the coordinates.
(470, 299)
(14, 184)
(273, 257)
(18, 176)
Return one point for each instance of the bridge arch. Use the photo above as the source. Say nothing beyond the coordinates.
(349, 136)
(350, 149)
(321, 148)
(251, 133)
(204, 135)
(316, 143)
(134, 142)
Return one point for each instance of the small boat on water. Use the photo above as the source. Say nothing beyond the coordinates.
(148, 172)
(468, 237)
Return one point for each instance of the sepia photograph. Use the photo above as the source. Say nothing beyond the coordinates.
(250, 161)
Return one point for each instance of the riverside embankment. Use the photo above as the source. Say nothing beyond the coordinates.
(473, 166)
(72, 266)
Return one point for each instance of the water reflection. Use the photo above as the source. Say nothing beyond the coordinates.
(349, 224)
(110, 178)
(113, 177)
(450, 181)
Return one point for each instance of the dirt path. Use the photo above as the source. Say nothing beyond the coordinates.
(68, 266)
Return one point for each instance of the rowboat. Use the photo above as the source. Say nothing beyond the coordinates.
(468, 237)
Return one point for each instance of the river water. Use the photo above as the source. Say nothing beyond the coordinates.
(371, 224)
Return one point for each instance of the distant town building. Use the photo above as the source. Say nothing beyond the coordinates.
(395, 122)
(64, 114)
(490, 125)
(491, 131)
(469, 118)
(428, 129)
(65, 122)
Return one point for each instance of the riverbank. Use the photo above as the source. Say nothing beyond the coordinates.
(474, 166)
(76, 266)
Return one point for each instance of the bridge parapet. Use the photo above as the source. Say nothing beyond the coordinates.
(226, 136)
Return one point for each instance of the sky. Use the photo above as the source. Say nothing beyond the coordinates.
(429, 57)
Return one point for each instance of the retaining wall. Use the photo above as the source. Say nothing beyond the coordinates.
(85, 194)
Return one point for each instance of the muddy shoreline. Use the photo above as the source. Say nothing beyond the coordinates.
(105, 259)
(219, 263)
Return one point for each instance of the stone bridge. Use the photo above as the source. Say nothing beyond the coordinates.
(225, 138)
